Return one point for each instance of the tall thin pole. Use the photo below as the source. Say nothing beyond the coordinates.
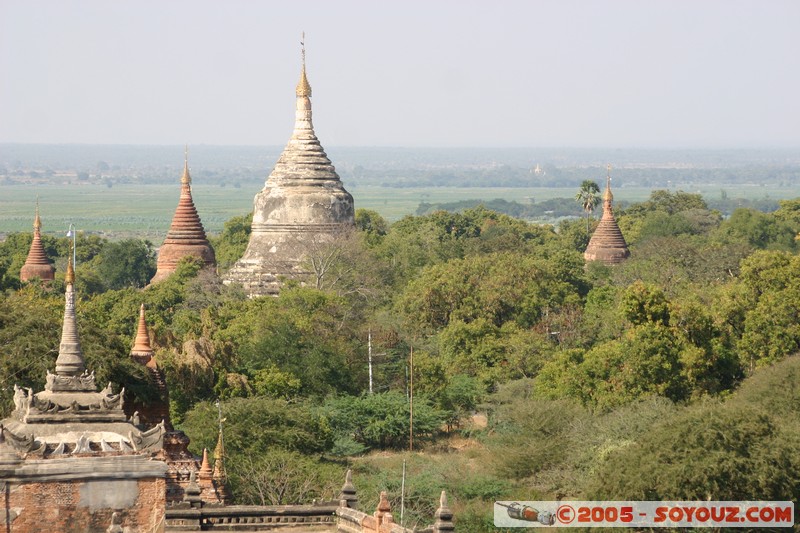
(72, 232)
(219, 415)
(411, 403)
(220, 443)
(403, 494)
(369, 351)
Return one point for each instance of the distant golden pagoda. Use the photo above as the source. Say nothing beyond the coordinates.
(37, 265)
(186, 236)
(607, 244)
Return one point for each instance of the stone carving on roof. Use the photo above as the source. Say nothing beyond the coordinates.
(150, 440)
(71, 417)
(20, 443)
(83, 383)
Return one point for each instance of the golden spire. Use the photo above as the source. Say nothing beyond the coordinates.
(219, 451)
(607, 196)
(37, 222)
(219, 460)
(69, 277)
(186, 179)
(303, 87)
(219, 475)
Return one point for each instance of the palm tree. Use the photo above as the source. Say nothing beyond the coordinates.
(588, 197)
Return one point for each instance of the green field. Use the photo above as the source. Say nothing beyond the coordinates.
(146, 210)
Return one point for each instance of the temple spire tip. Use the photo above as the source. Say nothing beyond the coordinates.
(69, 277)
(303, 87)
(607, 196)
(186, 179)
(37, 221)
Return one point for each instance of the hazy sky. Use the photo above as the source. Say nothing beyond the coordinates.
(677, 73)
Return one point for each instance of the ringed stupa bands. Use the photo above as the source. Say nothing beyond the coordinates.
(303, 204)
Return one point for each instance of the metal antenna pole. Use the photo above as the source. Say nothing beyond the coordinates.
(369, 351)
(411, 403)
(72, 232)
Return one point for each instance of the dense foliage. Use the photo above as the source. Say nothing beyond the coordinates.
(592, 378)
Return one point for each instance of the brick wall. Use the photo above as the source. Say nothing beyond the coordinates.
(84, 506)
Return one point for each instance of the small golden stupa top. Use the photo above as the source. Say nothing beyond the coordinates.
(186, 179)
(607, 196)
(219, 459)
(37, 222)
(69, 277)
(303, 87)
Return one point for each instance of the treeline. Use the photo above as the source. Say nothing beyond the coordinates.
(460, 176)
(678, 361)
(555, 208)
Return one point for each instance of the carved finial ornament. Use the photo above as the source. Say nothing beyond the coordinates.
(303, 87)
(69, 277)
(607, 196)
(37, 222)
(186, 179)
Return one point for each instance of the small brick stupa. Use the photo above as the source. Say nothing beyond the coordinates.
(37, 265)
(186, 236)
(303, 205)
(69, 457)
(158, 410)
(607, 244)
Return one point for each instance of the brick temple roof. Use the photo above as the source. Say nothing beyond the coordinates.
(186, 236)
(37, 264)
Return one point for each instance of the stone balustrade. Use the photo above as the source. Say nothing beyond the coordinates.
(316, 517)
(331, 516)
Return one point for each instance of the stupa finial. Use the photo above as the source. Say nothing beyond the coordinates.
(219, 475)
(303, 87)
(69, 277)
(37, 222)
(607, 196)
(186, 179)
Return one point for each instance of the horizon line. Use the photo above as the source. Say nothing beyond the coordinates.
(665, 147)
